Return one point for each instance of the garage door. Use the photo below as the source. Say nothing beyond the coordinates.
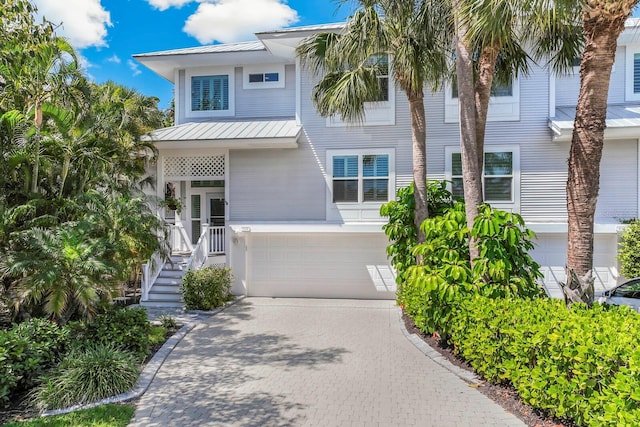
(319, 265)
(551, 253)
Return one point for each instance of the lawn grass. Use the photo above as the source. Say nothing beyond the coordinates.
(102, 416)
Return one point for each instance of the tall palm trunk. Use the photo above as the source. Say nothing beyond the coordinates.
(36, 162)
(602, 27)
(471, 168)
(486, 71)
(419, 138)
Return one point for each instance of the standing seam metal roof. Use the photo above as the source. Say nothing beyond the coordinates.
(228, 130)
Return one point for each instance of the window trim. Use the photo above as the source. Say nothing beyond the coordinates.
(377, 113)
(361, 210)
(501, 108)
(210, 71)
(514, 204)
(263, 69)
(630, 51)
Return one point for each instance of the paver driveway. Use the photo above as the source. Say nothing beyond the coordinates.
(299, 362)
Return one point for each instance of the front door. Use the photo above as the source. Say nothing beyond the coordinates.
(206, 207)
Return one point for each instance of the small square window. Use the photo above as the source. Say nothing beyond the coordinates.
(256, 78)
(271, 77)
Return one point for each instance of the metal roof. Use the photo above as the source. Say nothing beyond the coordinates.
(276, 133)
(623, 120)
(255, 45)
(316, 27)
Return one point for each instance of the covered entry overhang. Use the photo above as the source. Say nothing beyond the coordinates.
(244, 134)
(623, 121)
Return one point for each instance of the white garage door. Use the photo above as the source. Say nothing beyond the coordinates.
(319, 265)
(551, 253)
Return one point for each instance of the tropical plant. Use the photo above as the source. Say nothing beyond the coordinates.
(413, 34)
(87, 375)
(629, 250)
(206, 288)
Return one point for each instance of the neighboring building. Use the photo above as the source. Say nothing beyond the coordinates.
(293, 198)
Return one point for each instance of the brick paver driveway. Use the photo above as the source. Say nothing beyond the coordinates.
(298, 362)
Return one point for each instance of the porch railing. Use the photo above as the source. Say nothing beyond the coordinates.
(179, 238)
(200, 251)
(150, 272)
(217, 240)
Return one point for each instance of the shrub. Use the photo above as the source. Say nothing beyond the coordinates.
(87, 375)
(26, 351)
(580, 364)
(629, 250)
(168, 322)
(206, 288)
(128, 329)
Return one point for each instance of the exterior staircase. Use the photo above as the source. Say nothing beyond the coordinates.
(165, 291)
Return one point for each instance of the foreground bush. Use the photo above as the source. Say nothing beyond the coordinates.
(127, 329)
(87, 375)
(26, 351)
(581, 364)
(112, 415)
(206, 288)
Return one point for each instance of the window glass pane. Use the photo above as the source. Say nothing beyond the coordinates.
(271, 77)
(209, 93)
(457, 188)
(256, 78)
(375, 190)
(497, 189)
(636, 73)
(345, 166)
(456, 164)
(501, 89)
(498, 163)
(195, 206)
(345, 190)
(381, 66)
(375, 165)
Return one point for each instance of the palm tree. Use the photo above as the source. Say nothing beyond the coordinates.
(413, 34)
(603, 21)
(491, 36)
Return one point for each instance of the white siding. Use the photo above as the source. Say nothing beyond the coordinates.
(618, 197)
(266, 102)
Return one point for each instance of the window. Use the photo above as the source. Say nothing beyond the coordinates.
(359, 182)
(210, 93)
(381, 64)
(362, 178)
(504, 104)
(500, 178)
(632, 84)
(267, 76)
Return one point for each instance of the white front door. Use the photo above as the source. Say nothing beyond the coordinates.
(206, 206)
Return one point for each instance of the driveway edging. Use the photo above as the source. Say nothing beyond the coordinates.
(433, 354)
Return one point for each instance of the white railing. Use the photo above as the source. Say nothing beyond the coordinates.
(179, 238)
(200, 251)
(150, 272)
(217, 240)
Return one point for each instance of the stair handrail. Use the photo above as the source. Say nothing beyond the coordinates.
(150, 272)
(200, 250)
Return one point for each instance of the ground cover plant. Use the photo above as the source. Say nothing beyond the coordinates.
(101, 416)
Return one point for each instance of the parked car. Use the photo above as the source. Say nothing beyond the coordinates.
(627, 293)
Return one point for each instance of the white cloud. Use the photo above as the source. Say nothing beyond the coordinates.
(134, 66)
(84, 22)
(236, 20)
(166, 4)
(114, 58)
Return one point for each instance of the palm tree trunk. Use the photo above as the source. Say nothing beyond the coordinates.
(36, 162)
(486, 71)
(419, 138)
(602, 31)
(471, 170)
(66, 164)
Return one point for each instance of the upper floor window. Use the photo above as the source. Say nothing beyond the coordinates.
(500, 176)
(209, 93)
(263, 76)
(504, 103)
(359, 182)
(632, 89)
(381, 66)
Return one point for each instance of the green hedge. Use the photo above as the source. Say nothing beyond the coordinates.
(206, 288)
(26, 351)
(581, 364)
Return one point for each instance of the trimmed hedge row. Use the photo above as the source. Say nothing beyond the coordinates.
(581, 364)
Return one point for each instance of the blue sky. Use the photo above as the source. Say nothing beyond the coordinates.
(108, 32)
